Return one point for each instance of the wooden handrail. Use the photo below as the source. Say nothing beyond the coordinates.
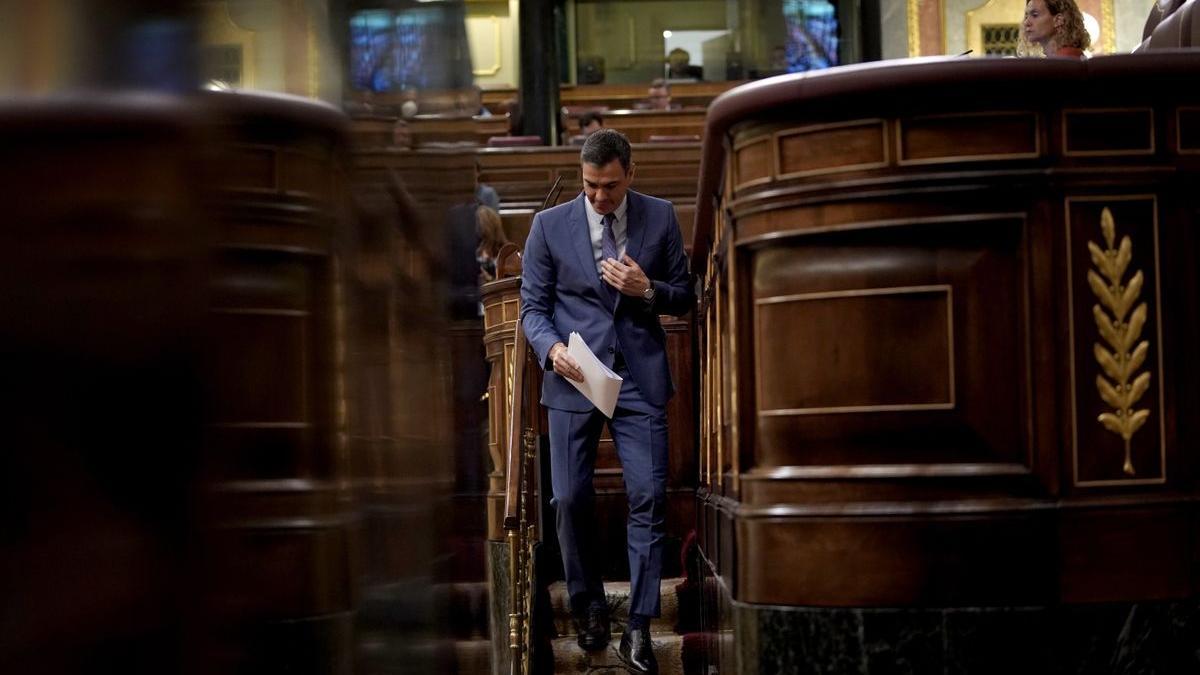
(512, 486)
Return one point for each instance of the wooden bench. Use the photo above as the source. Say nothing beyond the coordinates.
(523, 176)
(438, 178)
(434, 129)
(619, 96)
(640, 125)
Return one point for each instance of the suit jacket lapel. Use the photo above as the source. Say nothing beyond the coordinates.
(581, 237)
(635, 226)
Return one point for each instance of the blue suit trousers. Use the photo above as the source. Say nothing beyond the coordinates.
(639, 432)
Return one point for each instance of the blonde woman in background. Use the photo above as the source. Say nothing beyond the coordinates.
(1056, 26)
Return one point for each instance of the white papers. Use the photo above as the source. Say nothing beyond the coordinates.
(600, 385)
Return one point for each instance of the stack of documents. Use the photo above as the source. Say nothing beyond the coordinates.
(600, 384)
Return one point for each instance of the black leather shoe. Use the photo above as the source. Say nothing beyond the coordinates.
(592, 627)
(636, 652)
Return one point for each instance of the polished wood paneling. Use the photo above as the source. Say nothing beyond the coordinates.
(846, 370)
(523, 176)
(102, 278)
(894, 341)
(426, 130)
(640, 125)
(833, 147)
(898, 335)
(752, 163)
(1130, 548)
(1108, 132)
(501, 311)
(972, 136)
(277, 497)
(1187, 139)
(854, 559)
(626, 96)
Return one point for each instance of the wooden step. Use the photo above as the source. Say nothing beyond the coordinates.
(473, 657)
(400, 652)
(463, 608)
(618, 604)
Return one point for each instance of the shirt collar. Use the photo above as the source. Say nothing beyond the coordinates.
(594, 217)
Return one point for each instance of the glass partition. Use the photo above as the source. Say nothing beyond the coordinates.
(623, 42)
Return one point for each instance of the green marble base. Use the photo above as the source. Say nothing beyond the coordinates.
(500, 603)
(1160, 637)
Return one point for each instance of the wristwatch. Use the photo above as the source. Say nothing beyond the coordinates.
(648, 294)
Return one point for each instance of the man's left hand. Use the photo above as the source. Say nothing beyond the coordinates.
(625, 275)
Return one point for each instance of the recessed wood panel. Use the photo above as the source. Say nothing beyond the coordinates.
(248, 167)
(257, 353)
(855, 351)
(1188, 130)
(968, 137)
(1125, 552)
(904, 402)
(305, 174)
(1098, 452)
(1108, 132)
(830, 148)
(753, 163)
(950, 554)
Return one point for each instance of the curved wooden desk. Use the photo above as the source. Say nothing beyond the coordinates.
(936, 292)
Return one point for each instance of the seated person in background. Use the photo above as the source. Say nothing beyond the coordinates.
(679, 66)
(1056, 26)
(658, 97)
(512, 108)
(485, 194)
(590, 122)
(471, 102)
(490, 232)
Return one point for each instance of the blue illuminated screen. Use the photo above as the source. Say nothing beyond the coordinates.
(398, 50)
(812, 35)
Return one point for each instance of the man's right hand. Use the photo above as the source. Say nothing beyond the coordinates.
(564, 364)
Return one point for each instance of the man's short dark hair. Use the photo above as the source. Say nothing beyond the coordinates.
(604, 146)
(589, 117)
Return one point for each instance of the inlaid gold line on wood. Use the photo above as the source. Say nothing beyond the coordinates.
(780, 235)
(858, 293)
(1121, 363)
(1162, 446)
(853, 293)
(878, 471)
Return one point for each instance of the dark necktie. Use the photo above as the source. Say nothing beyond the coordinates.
(608, 249)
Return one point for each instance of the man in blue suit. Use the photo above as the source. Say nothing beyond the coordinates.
(606, 265)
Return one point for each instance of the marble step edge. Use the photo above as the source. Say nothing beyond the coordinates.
(618, 595)
(570, 658)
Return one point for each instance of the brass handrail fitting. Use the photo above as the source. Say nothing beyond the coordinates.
(520, 509)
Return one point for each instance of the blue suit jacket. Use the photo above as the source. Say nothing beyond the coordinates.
(561, 292)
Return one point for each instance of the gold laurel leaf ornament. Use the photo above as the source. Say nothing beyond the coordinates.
(1119, 386)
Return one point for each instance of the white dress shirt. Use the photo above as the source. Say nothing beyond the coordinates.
(596, 229)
